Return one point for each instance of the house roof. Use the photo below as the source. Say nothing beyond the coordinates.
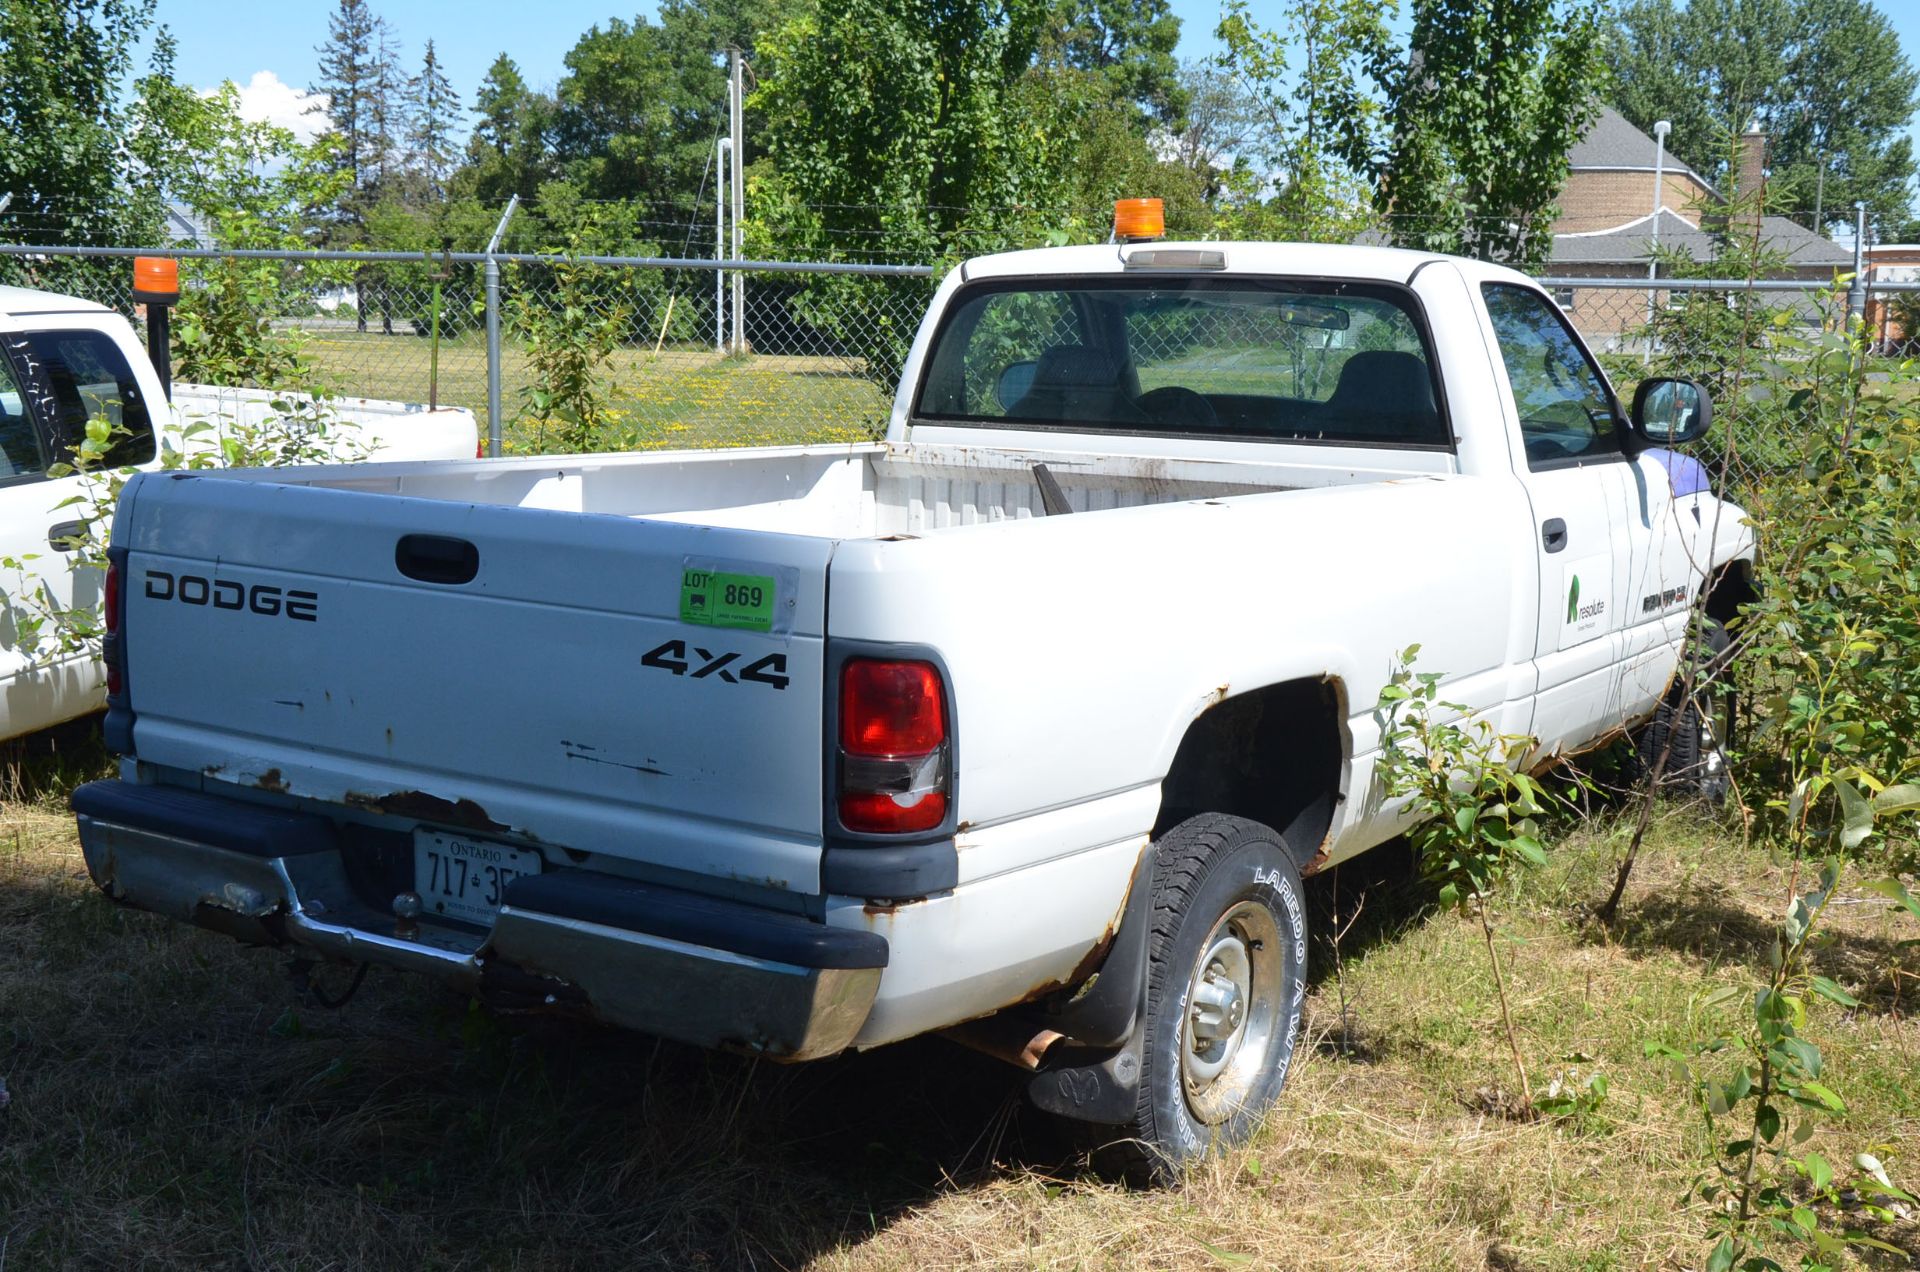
(1631, 243)
(1616, 145)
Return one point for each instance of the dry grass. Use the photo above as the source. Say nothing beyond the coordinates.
(172, 1107)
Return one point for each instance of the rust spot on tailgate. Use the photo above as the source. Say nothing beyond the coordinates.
(425, 807)
(271, 781)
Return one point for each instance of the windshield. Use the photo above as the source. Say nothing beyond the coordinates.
(1288, 361)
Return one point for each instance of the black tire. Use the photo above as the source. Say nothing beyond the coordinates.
(1694, 765)
(1214, 874)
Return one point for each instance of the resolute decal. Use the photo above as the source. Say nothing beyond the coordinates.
(672, 656)
(1587, 585)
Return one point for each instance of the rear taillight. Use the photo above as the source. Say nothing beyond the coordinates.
(117, 729)
(111, 607)
(894, 769)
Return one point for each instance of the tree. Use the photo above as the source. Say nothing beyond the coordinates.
(1315, 130)
(1222, 118)
(890, 129)
(1826, 80)
(510, 151)
(902, 130)
(615, 131)
(642, 105)
(386, 116)
(1483, 111)
(1127, 43)
(65, 123)
(1460, 141)
(349, 67)
(432, 106)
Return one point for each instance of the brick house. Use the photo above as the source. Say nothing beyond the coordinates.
(1606, 224)
(1891, 263)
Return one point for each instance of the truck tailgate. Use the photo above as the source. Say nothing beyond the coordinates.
(556, 695)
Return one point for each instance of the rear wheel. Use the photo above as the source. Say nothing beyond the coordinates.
(1226, 977)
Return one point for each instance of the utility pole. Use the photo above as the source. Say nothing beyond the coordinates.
(1857, 290)
(735, 92)
(1660, 131)
(1819, 197)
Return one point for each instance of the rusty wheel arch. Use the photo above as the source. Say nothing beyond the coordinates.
(1274, 755)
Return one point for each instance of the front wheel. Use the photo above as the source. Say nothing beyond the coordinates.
(1226, 978)
(1687, 731)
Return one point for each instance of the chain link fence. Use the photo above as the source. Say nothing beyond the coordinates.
(672, 353)
(660, 353)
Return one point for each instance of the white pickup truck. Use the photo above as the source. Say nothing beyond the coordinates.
(1027, 720)
(64, 361)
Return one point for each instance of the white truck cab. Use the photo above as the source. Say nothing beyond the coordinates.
(1037, 710)
(65, 361)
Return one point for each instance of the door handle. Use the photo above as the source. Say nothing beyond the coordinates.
(435, 558)
(65, 536)
(1553, 534)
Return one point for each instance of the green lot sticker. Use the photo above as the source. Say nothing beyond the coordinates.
(713, 598)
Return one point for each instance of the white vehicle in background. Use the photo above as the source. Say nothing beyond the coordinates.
(1022, 724)
(65, 361)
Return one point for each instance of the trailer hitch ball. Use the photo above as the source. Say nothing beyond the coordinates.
(406, 914)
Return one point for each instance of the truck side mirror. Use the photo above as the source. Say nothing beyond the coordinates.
(1669, 412)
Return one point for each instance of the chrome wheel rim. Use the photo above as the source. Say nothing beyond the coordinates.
(1229, 1013)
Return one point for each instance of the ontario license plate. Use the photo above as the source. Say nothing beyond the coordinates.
(459, 878)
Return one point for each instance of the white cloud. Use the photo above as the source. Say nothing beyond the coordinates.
(268, 98)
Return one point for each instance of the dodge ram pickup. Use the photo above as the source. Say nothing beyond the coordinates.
(1022, 724)
(65, 361)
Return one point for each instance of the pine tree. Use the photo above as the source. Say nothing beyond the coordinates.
(386, 123)
(432, 106)
(509, 151)
(347, 70)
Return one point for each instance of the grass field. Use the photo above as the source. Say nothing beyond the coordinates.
(172, 1105)
(679, 397)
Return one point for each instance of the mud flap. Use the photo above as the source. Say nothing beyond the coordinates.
(1104, 1091)
(1105, 1026)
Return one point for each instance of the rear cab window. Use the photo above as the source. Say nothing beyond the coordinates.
(1280, 360)
(52, 383)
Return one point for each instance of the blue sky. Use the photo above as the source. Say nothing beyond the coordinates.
(268, 50)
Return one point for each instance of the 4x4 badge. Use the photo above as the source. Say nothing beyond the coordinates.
(672, 656)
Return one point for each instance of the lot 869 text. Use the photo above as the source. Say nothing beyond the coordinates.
(225, 594)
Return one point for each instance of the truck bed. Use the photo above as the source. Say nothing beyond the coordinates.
(862, 491)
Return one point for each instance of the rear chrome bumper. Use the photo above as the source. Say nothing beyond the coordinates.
(665, 961)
